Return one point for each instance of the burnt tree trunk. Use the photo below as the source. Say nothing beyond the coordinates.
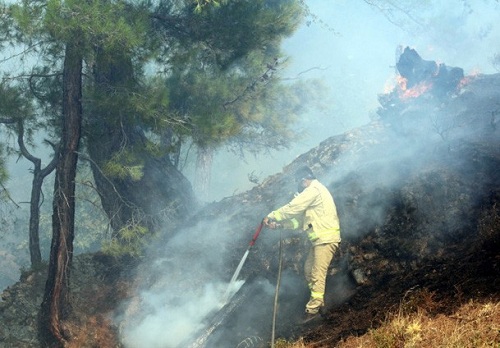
(56, 305)
(162, 192)
(442, 79)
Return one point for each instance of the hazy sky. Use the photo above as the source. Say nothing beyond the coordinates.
(355, 55)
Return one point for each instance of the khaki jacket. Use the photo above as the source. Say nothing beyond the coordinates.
(316, 209)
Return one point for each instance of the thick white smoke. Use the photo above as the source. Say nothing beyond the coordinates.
(169, 319)
(179, 290)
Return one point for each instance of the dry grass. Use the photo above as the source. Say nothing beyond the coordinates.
(473, 325)
(95, 332)
(280, 343)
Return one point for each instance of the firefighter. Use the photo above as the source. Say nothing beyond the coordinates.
(313, 209)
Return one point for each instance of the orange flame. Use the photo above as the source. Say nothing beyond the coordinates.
(467, 79)
(413, 92)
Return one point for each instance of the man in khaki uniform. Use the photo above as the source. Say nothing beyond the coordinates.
(315, 210)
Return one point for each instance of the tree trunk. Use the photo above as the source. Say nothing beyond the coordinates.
(162, 192)
(161, 195)
(34, 244)
(203, 172)
(56, 305)
(39, 175)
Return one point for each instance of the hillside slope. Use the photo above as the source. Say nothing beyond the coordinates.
(418, 195)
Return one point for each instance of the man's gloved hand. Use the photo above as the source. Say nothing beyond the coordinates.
(271, 223)
(287, 225)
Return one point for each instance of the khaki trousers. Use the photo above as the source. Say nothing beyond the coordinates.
(315, 270)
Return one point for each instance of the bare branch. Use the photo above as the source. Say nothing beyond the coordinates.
(28, 49)
(20, 141)
(263, 79)
(7, 120)
(389, 11)
(6, 192)
(29, 76)
(304, 72)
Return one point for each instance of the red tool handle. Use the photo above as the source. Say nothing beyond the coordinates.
(256, 234)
